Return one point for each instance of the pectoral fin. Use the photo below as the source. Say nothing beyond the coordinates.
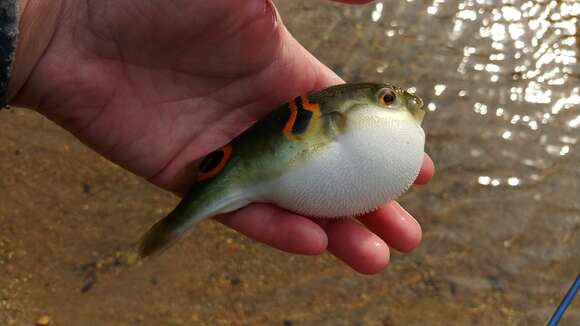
(335, 124)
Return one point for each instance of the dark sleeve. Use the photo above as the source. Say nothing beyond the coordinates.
(8, 36)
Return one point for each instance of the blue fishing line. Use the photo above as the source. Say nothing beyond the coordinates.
(565, 303)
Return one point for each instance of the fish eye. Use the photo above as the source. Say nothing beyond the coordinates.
(388, 97)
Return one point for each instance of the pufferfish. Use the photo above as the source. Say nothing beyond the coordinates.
(339, 152)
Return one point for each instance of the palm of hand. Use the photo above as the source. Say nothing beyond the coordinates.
(155, 85)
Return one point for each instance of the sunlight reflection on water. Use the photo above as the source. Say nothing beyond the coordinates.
(529, 45)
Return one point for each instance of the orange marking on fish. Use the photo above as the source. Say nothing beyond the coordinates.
(312, 107)
(288, 127)
(227, 152)
(299, 103)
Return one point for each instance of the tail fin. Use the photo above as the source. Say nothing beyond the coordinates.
(188, 213)
(162, 234)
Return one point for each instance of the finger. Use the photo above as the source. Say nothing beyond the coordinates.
(427, 171)
(394, 225)
(354, 2)
(359, 248)
(278, 228)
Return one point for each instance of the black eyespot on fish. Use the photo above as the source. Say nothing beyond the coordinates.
(211, 161)
(303, 118)
(302, 114)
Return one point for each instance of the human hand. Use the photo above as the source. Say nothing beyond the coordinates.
(153, 86)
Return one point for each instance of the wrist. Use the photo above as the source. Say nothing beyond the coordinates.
(38, 20)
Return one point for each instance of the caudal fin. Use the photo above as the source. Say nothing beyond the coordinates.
(168, 230)
(159, 237)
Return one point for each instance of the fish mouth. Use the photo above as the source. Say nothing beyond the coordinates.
(417, 108)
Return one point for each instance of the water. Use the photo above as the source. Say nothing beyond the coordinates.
(501, 219)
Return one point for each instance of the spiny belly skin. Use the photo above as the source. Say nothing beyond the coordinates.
(352, 176)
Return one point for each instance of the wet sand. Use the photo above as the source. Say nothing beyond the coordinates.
(501, 219)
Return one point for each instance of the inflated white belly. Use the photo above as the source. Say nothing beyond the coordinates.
(360, 171)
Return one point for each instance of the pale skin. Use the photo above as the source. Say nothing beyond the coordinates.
(155, 85)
